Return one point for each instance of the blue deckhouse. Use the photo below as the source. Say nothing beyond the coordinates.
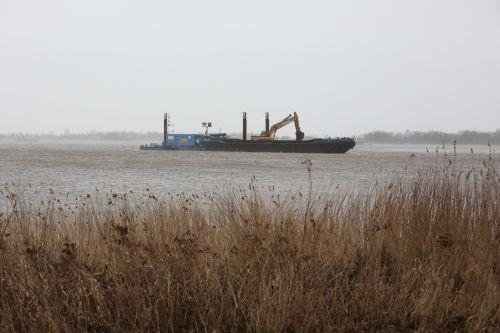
(182, 140)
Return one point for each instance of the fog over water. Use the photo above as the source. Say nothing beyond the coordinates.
(347, 67)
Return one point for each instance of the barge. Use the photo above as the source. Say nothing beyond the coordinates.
(265, 142)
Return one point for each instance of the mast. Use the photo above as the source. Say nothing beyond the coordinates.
(267, 123)
(244, 126)
(166, 124)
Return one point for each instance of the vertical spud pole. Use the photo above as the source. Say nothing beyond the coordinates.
(244, 126)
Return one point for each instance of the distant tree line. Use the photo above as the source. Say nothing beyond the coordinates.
(434, 137)
(408, 137)
(90, 136)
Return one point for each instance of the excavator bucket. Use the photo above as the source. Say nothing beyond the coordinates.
(299, 135)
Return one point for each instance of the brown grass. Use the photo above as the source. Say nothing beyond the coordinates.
(417, 254)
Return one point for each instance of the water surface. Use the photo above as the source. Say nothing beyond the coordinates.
(79, 168)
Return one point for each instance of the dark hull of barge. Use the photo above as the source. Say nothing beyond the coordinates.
(318, 146)
(311, 146)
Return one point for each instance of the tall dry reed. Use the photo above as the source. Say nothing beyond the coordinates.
(420, 253)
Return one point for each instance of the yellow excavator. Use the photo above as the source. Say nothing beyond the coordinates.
(269, 135)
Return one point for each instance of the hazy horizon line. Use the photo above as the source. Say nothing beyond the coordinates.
(95, 132)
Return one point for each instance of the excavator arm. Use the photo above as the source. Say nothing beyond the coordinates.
(277, 126)
(299, 135)
(272, 131)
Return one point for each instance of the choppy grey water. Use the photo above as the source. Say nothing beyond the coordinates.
(79, 168)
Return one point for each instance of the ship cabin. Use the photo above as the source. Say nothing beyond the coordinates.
(183, 140)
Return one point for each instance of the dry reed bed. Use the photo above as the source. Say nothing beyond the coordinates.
(418, 254)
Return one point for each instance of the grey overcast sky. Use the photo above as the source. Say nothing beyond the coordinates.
(346, 67)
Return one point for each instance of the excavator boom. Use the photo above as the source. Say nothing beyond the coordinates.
(269, 136)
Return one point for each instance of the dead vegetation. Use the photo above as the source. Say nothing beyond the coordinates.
(416, 254)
